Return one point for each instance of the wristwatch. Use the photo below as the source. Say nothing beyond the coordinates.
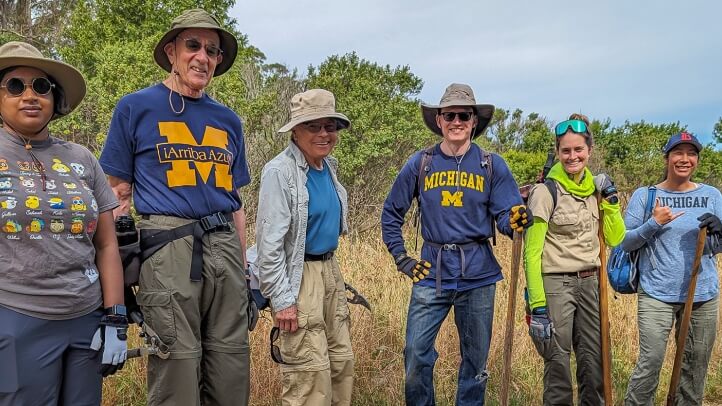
(117, 309)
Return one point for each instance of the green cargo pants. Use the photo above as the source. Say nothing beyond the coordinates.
(204, 323)
(655, 319)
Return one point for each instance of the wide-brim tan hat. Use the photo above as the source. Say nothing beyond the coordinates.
(198, 18)
(69, 82)
(458, 95)
(312, 105)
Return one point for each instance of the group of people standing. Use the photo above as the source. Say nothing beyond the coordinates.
(178, 157)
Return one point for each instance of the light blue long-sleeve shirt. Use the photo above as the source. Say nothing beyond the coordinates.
(667, 251)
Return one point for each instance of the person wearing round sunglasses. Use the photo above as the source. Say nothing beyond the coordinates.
(180, 156)
(63, 323)
(561, 257)
(302, 212)
(464, 194)
(667, 243)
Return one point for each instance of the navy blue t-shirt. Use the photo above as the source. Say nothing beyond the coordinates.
(324, 212)
(457, 207)
(185, 165)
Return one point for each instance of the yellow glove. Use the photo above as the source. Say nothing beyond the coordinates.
(520, 218)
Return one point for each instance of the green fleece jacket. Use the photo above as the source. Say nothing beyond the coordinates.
(613, 226)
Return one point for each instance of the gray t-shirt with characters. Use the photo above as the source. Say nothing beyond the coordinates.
(47, 255)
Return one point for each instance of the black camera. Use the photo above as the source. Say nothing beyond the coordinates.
(125, 230)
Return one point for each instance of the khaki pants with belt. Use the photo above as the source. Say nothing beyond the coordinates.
(318, 356)
(204, 323)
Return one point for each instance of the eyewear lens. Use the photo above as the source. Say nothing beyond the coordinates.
(275, 351)
(41, 86)
(316, 127)
(194, 45)
(577, 126)
(451, 115)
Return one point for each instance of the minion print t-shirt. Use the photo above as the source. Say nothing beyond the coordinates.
(47, 224)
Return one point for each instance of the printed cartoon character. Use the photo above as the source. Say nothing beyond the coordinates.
(4, 164)
(78, 205)
(6, 183)
(9, 203)
(36, 225)
(32, 202)
(12, 227)
(37, 167)
(70, 185)
(50, 184)
(56, 225)
(27, 182)
(24, 165)
(84, 184)
(78, 168)
(59, 167)
(94, 204)
(90, 228)
(56, 203)
(76, 225)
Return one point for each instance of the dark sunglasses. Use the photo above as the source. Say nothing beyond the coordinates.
(449, 116)
(275, 351)
(194, 45)
(577, 126)
(16, 87)
(316, 127)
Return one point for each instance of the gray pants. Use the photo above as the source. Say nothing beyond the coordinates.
(573, 305)
(48, 362)
(655, 319)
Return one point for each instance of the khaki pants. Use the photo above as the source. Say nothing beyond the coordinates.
(318, 356)
(204, 323)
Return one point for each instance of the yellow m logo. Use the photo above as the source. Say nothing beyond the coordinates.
(449, 199)
(182, 149)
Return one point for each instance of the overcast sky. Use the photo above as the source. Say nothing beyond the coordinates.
(660, 61)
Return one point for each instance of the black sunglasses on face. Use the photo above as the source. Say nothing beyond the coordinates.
(275, 351)
(16, 87)
(449, 116)
(194, 45)
(316, 127)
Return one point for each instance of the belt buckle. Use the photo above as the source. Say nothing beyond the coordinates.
(449, 247)
(214, 222)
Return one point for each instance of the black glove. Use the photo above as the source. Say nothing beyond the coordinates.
(712, 222)
(604, 185)
(520, 218)
(416, 270)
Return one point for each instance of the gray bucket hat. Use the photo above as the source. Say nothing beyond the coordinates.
(458, 95)
(312, 105)
(198, 18)
(70, 84)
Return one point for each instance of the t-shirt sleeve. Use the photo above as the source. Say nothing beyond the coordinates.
(241, 175)
(540, 202)
(116, 158)
(102, 192)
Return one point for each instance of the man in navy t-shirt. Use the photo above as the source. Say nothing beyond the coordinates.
(464, 194)
(180, 156)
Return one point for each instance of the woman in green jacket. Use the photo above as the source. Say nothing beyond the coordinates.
(561, 258)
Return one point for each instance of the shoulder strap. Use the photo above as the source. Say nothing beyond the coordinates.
(424, 168)
(651, 195)
(486, 163)
(552, 187)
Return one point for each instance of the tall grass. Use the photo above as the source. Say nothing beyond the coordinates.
(378, 341)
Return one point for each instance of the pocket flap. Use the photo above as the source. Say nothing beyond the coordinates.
(153, 298)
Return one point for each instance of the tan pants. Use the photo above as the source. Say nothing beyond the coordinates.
(318, 356)
(204, 323)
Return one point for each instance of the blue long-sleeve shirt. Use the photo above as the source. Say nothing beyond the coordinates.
(458, 205)
(667, 251)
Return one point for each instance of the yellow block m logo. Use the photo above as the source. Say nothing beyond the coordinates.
(449, 199)
(182, 149)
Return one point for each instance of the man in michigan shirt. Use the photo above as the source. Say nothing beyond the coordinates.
(180, 156)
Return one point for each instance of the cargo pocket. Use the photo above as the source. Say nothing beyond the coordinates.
(294, 346)
(157, 309)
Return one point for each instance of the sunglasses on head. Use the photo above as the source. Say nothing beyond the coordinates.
(316, 127)
(577, 126)
(16, 86)
(275, 351)
(194, 45)
(449, 116)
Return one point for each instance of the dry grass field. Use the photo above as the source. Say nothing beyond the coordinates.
(378, 341)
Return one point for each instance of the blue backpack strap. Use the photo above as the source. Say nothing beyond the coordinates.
(651, 195)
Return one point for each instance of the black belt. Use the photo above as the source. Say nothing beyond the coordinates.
(152, 240)
(318, 257)
(452, 247)
(582, 274)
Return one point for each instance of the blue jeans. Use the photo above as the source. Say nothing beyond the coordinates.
(473, 315)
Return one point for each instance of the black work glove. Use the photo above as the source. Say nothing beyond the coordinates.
(604, 185)
(416, 270)
(520, 218)
(712, 222)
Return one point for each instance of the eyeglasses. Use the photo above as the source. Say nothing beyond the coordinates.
(316, 127)
(577, 126)
(194, 45)
(449, 116)
(275, 351)
(16, 87)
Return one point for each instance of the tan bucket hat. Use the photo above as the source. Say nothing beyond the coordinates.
(70, 84)
(312, 105)
(198, 18)
(458, 95)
